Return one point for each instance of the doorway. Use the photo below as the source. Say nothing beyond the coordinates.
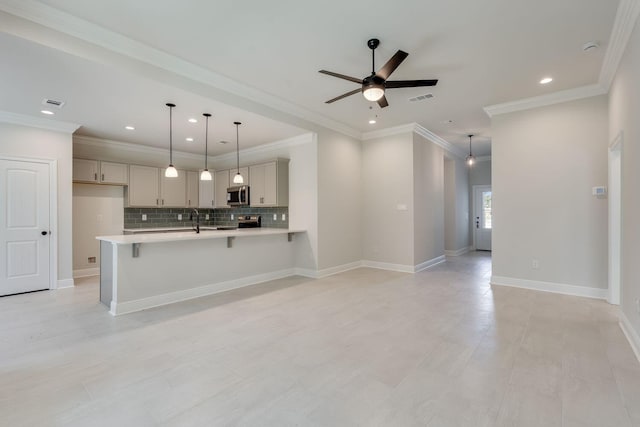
(25, 226)
(482, 217)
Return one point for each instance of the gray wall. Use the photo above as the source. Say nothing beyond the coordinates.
(456, 195)
(545, 162)
(624, 112)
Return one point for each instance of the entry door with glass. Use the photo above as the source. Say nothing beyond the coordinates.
(482, 217)
(24, 226)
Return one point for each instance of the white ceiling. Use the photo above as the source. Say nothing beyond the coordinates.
(483, 52)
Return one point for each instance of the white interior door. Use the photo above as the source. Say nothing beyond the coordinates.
(24, 226)
(482, 217)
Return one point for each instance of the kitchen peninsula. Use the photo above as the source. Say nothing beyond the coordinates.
(146, 270)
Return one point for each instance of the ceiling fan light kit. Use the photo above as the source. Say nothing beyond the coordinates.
(373, 87)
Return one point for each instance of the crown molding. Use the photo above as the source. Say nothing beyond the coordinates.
(306, 138)
(545, 100)
(418, 129)
(37, 122)
(626, 17)
(86, 31)
(483, 159)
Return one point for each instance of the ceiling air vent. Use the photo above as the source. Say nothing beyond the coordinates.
(421, 97)
(53, 103)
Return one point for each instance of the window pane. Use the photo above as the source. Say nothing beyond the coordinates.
(486, 209)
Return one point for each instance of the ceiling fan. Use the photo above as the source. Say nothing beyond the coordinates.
(374, 86)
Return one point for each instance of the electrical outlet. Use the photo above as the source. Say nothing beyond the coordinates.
(206, 216)
(179, 217)
(275, 217)
(144, 217)
(232, 217)
(284, 217)
(535, 264)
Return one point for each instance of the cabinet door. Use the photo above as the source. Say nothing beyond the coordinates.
(270, 197)
(144, 189)
(173, 191)
(85, 170)
(221, 180)
(206, 193)
(192, 188)
(113, 173)
(257, 173)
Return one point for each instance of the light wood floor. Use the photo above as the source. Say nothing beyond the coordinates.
(362, 348)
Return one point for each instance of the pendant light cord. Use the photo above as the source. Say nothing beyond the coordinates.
(470, 136)
(237, 147)
(206, 141)
(170, 136)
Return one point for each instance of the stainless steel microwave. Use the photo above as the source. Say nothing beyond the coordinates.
(238, 196)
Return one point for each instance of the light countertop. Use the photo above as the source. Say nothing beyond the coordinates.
(157, 236)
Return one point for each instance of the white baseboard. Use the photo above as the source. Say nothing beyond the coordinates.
(319, 274)
(86, 272)
(388, 266)
(65, 283)
(429, 264)
(630, 333)
(458, 252)
(118, 308)
(558, 288)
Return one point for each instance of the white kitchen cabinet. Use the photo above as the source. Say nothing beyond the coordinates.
(193, 179)
(114, 173)
(99, 172)
(173, 191)
(270, 183)
(144, 186)
(206, 194)
(221, 183)
(85, 170)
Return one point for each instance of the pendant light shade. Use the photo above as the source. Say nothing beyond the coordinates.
(171, 171)
(238, 179)
(470, 158)
(206, 175)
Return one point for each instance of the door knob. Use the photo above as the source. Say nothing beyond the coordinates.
(44, 233)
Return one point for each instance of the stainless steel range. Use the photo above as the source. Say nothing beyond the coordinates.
(249, 221)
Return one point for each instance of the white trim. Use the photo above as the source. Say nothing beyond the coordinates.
(428, 264)
(86, 31)
(458, 252)
(37, 122)
(404, 268)
(631, 334)
(319, 274)
(557, 288)
(626, 17)
(420, 130)
(65, 283)
(306, 138)
(86, 272)
(545, 100)
(118, 308)
(483, 159)
(616, 144)
(614, 224)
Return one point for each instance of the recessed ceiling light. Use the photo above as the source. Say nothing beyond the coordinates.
(372, 121)
(546, 80)
(129, 128)
(47, 112)
(189, 139)
(192, 120)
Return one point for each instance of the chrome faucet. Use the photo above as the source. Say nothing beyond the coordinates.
(197, 214)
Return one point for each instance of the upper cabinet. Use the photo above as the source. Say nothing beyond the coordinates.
(173, 190)
(206, 193)
(221, 180)
(144, 186)
(98, 172)
(193, 179)
(270, 183)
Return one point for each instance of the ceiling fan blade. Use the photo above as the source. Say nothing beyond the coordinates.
(382, 102)
(341, 76)
(393, 84)
(344, 95)
(392, 64)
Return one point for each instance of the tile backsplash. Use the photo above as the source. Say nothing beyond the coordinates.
(168, 217)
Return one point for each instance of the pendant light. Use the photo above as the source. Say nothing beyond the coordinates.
(171, 171)
(238, 179)
(470, 158)
(206, 175)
